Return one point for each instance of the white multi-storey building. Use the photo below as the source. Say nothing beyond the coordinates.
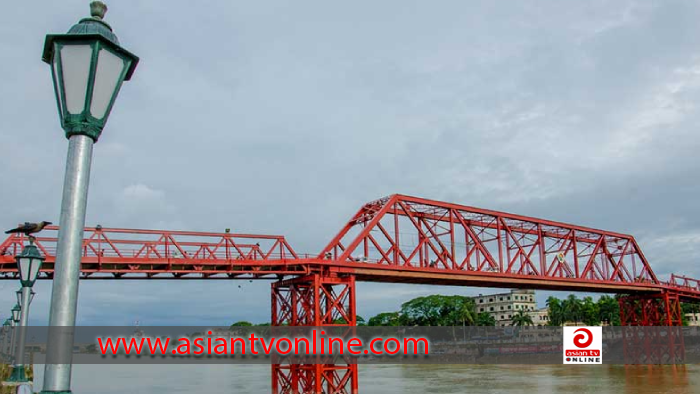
(693, 319)
(540, 317)
(503, 306)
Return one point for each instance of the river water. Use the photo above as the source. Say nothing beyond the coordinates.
(390, 379)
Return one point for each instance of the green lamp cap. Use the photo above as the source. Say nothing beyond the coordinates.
(31, 251)
(95, 24)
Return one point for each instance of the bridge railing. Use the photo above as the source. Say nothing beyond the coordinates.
(684, 282)
(118, 242)
(127, 250)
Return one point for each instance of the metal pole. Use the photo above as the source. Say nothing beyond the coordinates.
(4, 341)
(8, 344)
(64, 294)
(23, 322)
(12, 341)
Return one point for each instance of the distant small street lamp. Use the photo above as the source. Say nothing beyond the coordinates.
(88, 67)
(6, 327)
(14, 320)
(10, 346)
(19, 298)
(16, 310)
(29, 263)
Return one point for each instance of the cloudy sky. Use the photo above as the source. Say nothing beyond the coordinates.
(285, 117)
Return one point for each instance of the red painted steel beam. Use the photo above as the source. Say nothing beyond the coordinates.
(315, 300)
(110, 253)
(532, 246)
(685, 282)
(398, 238)
(414, 240)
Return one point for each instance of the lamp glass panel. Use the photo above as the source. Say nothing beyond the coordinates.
(107, 78)
(57, 80)
(24, 263)
(34, 269)
(75, 63)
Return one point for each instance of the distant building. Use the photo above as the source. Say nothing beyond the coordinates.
(503, 306)
(540, 317)
(693, 319)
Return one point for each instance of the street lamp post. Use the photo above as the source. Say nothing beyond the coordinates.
(10, 345)
(19, 297)
(5, 338)
(29, 263)
(15, 320)
(88, 67)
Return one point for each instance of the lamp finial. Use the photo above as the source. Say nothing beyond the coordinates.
(98, 10)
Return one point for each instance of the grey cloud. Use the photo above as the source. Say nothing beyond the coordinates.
(284, 118)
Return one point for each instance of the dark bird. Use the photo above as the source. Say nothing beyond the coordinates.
(29, 228)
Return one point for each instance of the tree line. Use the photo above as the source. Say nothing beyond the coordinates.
(439, 310)
(576, 310)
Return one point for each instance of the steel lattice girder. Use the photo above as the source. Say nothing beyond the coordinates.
(311, 378)
(651, 310)
(652, 332)
(394, 239)
(112, 253)
(408, 239)
(413, 232)
(314, 300)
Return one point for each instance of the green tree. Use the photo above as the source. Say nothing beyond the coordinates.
(608, 310)
(385, 319)
(590, 312)
(242, 324)
(687, 307)
(485, 319)
(422, 311)
(358, 319)
(522, 318)
(462, 312)
(572, 308)
(438, 310)
(555, 311)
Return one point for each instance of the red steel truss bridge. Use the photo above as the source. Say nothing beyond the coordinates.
(398, 239)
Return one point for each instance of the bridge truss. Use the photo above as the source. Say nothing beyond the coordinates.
(400, 239)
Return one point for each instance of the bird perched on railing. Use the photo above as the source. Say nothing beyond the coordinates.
(28, 229)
